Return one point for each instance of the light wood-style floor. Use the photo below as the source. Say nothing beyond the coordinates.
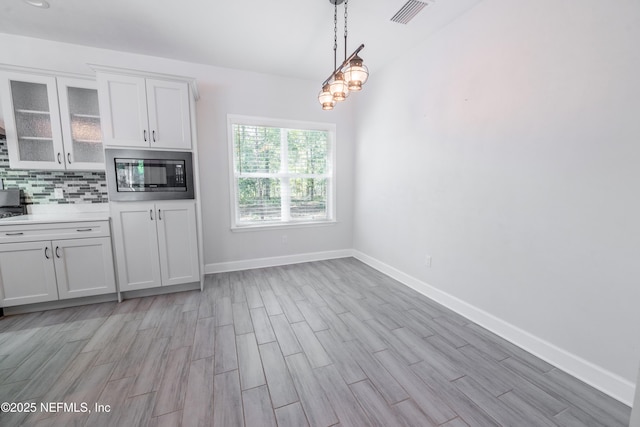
(320, 344)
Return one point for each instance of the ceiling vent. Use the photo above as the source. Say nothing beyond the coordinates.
(408, 11)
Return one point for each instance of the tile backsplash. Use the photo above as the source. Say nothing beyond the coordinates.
(38, 186)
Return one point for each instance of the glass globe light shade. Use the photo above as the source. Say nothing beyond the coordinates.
(338, 87)
(326, 99)
(356, 74)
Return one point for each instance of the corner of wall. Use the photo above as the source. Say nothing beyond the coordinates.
(599, 378)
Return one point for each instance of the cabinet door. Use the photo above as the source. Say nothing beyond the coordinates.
(169, 119)
(84, 267)
(32, 121)
(27, 274)
(177, 242)
(123, 109)
(80, 118)
(136, 244)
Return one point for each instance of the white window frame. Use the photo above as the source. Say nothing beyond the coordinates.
(330, 175)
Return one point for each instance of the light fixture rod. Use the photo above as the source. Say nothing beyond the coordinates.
(344, 64)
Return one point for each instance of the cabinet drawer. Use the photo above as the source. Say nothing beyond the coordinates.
(67, 230)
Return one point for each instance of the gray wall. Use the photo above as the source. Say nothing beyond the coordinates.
(635, 413)
(507, 147)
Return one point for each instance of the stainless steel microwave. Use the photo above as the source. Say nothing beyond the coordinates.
(148, 174)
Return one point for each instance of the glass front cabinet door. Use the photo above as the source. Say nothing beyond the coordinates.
(80, 120)
(32, 121)
(51, 123)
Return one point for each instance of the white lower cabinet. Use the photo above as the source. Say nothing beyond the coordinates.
(27, 274)
(136, 245)
(84, 267)
(156, 244)
(66, 265)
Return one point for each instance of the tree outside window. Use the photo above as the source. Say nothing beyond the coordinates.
(281, 174)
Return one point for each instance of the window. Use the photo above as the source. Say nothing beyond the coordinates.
(282, 172)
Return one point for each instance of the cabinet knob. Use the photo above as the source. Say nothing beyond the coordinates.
(159, 215)
(69, 158)
(151, 214)
(59, 159)
(57, 253)
(153, 134)
(46, 252)
(144, 133)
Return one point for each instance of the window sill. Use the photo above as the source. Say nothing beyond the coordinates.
(280, 226)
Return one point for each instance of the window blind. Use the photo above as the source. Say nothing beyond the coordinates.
(281, 175)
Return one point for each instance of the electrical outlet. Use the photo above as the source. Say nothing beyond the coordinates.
(427, 260)
(58, 193)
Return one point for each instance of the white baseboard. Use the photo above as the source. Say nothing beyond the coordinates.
(248, 264)
(605, 381)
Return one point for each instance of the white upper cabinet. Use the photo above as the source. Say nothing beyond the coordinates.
(144, 112)
(80, 118)
(123, 103)
(169, 118)
(32, 121)
(51, 123)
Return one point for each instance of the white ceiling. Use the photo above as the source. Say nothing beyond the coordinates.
(286, 37)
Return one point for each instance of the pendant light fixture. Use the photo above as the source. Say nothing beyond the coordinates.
(350, 75)
(356, 74)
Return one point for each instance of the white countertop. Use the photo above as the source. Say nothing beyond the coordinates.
(44, 218)
(43, 214)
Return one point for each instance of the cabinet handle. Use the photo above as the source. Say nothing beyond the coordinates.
(151, 214)
(159, 215)
(45, 252)
(57, 254)
(59, 160)
(14, 234)
(69, 158)
(154, 135)
(145, 135)
(84, 229)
